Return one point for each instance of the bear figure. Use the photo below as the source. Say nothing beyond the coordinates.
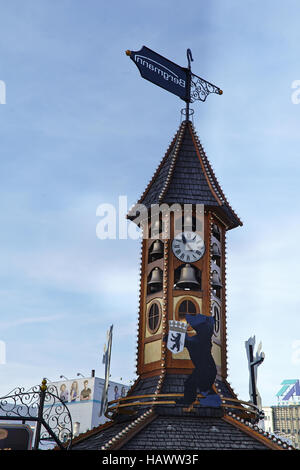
(203, 376)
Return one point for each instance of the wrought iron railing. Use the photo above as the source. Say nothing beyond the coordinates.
(41, 405)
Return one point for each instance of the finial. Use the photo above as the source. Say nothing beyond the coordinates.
(189, 57)
(43, 386)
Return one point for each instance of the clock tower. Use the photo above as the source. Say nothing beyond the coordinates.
(181, 399)
(183, 265)
(174, 404)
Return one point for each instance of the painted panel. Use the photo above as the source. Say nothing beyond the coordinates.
(152, 352)
(217, 354)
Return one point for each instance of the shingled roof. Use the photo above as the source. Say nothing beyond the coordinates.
(152, 430)
(185, 176)
(173, 428)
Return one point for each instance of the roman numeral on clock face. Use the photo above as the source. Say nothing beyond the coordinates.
(188, 247)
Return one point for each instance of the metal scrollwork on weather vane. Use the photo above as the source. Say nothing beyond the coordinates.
(200, 89)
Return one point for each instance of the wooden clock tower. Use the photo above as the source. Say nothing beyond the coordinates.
(183, 271)
(177, 403)
(183, 266)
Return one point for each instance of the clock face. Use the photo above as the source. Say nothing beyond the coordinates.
(188, 247)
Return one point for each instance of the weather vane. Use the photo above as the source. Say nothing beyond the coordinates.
(172, 77)
(254, 360)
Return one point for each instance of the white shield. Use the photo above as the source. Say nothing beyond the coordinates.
(176, 336)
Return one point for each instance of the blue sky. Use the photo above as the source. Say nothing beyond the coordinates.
(81, 127)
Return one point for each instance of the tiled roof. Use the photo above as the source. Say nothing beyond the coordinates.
(153, 431)
(184, 433)
(172, 427)
(185, 176)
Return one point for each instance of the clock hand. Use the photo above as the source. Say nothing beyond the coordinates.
(183, 239)
(190, 246)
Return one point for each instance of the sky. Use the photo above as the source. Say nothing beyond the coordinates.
(80, 128)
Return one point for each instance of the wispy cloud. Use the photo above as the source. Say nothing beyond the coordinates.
(29, 320)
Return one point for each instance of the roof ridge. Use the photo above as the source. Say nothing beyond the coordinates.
(130, 431)
(88, 433)
(216, 185)
(256, 432)
(176, 147)
(160, 164)
(204, 164)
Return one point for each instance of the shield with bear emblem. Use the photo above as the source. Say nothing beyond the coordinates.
(176, 336)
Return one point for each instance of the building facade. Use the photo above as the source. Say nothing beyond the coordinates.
(83, 398)
(284, 421)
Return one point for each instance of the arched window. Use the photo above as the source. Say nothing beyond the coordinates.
(216, 316)
(186, 306)
(154, 317)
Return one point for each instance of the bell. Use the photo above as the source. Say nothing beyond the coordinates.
(215, 251)
(188, 278)
(157, 250)
(156, 279)
(216, 231)
(216, 281)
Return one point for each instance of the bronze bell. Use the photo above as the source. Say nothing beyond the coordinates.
(215, 251)
(188, 278)
(157, 250)
(216, 281)
(156, 279)
(216, 231)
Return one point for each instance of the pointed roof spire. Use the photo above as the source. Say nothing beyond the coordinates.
(185, 176)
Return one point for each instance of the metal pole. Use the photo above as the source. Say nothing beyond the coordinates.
(254, 396)
(43, 389)
(189, 78)
(187, 108)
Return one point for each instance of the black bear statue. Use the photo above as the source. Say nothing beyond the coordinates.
(203, 376)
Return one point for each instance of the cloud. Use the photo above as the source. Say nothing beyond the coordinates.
(29, 320)
(71, 271)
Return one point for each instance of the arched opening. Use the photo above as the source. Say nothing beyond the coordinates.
(156, 251)
(187, 277)
(187, 307)
(155, 281)
(154, 317)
